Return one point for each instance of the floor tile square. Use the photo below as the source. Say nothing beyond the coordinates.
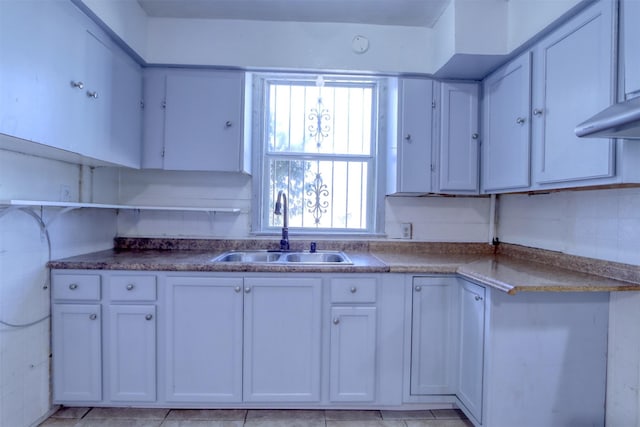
(208, 414)
(69, 412)
(438, 423)
(284, 415)
(118, 422)
(202, 423)
(129, 413)
(407, 415)
(448, 414)
(366, 423)
(348, 415)
(60, 422)
(284, 423)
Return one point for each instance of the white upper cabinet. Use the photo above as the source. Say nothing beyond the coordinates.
(194, 120)
(573, 80)
(59, 78)
(506, 142)
(410, 155)
(457, 166)
(630, 37)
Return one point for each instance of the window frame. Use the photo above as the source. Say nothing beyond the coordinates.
(375, 178)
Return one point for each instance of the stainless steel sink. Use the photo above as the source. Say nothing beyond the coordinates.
(318, 258)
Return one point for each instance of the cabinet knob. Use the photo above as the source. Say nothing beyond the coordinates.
(537, 111)
(353, 289)
(475, 135)
(130, 286)
(478, 298)
(228, 124)
(247, 290)
(93, 95)
(418, 288)
(73, 286)
(238, 288)
(77, 85)
(336, 320)
(149, 316)
(93, 316)
(407, 137)
(520, 120)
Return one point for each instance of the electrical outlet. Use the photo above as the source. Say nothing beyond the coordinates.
(65, 193)
(405, 230)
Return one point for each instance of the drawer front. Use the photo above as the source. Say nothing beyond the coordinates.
(356, 290)
(76, 287)
(132, 288)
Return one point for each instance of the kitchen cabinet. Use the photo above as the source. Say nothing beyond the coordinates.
(506, 141)
(471, 347)
(77, 338)
(352, 376)
(630, 12)
(193, 120)
(131, 338)
(433, 332)
(204, 339)
(60, 85)
(282, 339)
(458, 160)
(410, 155)
(573, 80)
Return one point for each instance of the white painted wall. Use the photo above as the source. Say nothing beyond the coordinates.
(603, 224)
(24, 352)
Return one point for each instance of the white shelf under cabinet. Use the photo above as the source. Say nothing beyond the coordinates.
(27, 203)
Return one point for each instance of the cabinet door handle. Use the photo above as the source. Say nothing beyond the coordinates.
(149, 316)
(247, 290)
(336, 320)
(478, 298)
(130, 286)
(238, 288)
(228, 124)
(407, 137)
(77, 85)
(537, 111)
(418, 288)
(353, 289)
(475, 135)
(73, 286)
(520, 120)
(93, 95)
(93, 316)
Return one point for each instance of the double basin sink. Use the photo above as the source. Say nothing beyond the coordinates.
(277, 257)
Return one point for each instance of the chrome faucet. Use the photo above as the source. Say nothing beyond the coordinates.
(284, 242)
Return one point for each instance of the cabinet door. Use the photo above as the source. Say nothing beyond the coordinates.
(353, 354)
(432, 336)
(126, 112)
(414, 146)
(459, 139)
(471, 371)
(203, 121)
(573, 80)
(132, 353)
(282, 340)
(506, 135)
(77, 353)
(204, 339)
(154, 81)
(630, 37)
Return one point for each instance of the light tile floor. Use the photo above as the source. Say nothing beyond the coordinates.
(134, 417)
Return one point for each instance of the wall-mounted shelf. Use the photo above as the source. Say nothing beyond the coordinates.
(75, 205)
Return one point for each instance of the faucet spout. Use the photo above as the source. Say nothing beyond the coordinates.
(280, 202)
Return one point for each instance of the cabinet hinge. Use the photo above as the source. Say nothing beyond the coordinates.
(433, 104)
(142, 104)
(432, 167)
(162, 153)
(164, 104)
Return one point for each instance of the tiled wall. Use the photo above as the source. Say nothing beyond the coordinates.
(24, 352)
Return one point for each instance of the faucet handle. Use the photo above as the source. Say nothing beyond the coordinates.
(312, 247)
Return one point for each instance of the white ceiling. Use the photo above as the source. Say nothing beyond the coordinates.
(422, 13)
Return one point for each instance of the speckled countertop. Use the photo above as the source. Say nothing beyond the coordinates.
(511, 268)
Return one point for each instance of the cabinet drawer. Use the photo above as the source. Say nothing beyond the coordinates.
(133, 288)
(359, 290)
(76, 287)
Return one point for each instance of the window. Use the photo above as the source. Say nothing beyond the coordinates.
(317, 141)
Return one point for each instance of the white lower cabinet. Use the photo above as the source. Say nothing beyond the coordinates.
(471, 349)
(282, 339)
(433, 333)
(204, 339)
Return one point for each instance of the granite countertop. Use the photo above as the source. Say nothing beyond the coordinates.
(512, 269)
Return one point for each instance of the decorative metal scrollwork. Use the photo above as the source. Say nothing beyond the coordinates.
(319, 130)
(316, 190)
